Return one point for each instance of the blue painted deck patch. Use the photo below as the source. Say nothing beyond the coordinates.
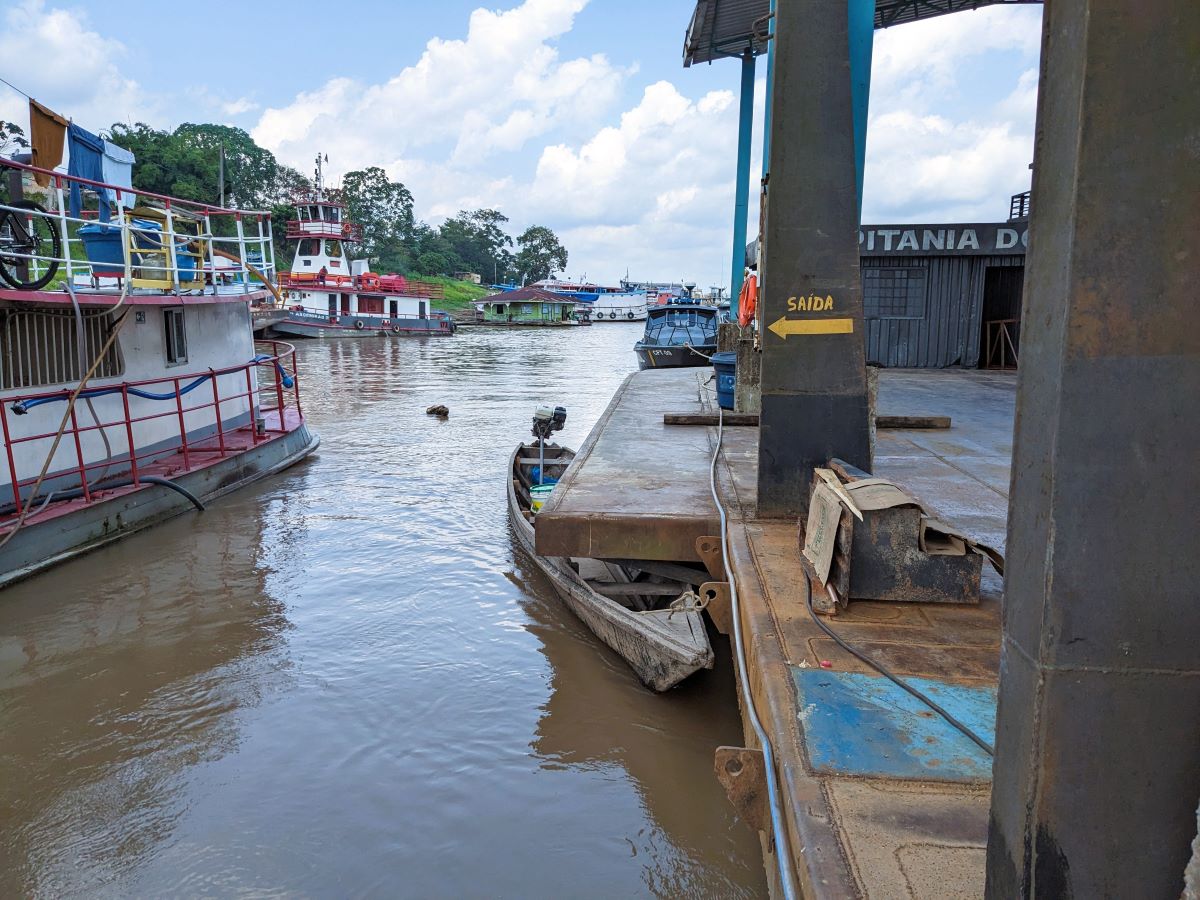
(856, 724)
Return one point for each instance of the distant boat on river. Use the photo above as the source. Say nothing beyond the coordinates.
(328, 295)
(529, 306)
(678, 334)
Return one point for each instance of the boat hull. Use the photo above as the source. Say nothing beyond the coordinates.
(42, 543)
(361, 327)
(662, 647)
(619, 315)
(658, 357)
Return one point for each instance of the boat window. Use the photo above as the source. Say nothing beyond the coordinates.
(676, 327)
(333, 248)
(38, 347)
(176, 336)
(309, 247)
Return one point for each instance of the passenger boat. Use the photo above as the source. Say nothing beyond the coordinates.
(678, 334)
(621, 306)
(327, 295)
(131, 388)
(628, 609)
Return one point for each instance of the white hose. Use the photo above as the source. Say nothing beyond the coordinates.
(783, 857)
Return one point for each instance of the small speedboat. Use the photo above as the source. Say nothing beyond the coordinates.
(636, 613)
(678, 334)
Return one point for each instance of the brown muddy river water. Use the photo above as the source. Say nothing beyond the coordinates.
(347, 681)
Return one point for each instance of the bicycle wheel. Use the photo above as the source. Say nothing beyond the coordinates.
(29, 246)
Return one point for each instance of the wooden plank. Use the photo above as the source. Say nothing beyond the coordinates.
(731, 419)
(685, 574)
(912, 421)
(642, 588)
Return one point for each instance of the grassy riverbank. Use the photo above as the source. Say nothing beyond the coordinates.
(459, 294)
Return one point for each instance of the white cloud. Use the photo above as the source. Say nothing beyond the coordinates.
(652, 193)
(499, 88)
(936, 150)
(499, 118)
(56, 56)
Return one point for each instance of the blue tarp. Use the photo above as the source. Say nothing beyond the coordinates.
(87, 161)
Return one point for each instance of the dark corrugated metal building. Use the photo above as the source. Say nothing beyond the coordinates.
(943, 295)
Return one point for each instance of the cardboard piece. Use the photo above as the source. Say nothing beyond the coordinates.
(820, 534)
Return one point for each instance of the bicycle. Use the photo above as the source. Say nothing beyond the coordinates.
(30, 246)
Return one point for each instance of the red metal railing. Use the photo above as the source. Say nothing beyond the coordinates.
(313, 228)
(370, 283)
(219, 443)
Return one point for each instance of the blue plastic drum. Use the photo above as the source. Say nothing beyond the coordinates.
(726, 365)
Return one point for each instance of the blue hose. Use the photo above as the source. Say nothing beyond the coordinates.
(23, 406)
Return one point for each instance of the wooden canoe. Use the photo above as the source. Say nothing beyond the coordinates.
(661, 645)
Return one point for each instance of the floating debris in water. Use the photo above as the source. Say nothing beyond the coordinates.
(442, 412)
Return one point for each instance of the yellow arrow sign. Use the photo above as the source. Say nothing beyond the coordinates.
(784, 326)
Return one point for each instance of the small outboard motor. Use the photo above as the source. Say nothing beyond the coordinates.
(547, 420)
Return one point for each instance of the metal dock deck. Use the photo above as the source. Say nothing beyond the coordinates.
(881, 796)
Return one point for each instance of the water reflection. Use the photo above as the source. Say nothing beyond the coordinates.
(341, 681)
(120, 672)
(598, 716)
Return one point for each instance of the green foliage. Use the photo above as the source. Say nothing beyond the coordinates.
(479, 243)
(384, 210)
(458, 294)
(12, 138)
(540, 254)
(184, 163)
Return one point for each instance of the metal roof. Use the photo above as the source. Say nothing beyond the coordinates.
(727, 28)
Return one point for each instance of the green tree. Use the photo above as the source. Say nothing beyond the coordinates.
(185, 163)
(251, 172)
(384, 210)
(479, 242)
(12, 140)
(540, 254)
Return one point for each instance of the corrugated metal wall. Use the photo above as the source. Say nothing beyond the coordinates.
(948, 333)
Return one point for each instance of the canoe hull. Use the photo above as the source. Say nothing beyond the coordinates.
(662, 647)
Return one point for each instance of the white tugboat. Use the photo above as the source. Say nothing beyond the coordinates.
(327, 295)
(131, 387)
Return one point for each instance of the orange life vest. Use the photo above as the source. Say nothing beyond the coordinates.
(748, 300)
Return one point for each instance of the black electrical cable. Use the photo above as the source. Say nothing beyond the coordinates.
(76, 493)
(883, 670)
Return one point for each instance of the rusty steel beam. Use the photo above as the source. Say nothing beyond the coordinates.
(1096, 775)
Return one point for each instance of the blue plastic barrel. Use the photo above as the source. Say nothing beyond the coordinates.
(726, 365)
(105, 249)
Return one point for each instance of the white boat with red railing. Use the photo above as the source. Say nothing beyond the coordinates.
(328, 295)
(131, 387)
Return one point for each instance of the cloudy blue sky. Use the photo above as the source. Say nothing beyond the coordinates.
(575, 114)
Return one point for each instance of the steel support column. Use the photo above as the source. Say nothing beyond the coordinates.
(741, 194)
(766, 148)
(1096, 774)
(862, 43)
(814, 395)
